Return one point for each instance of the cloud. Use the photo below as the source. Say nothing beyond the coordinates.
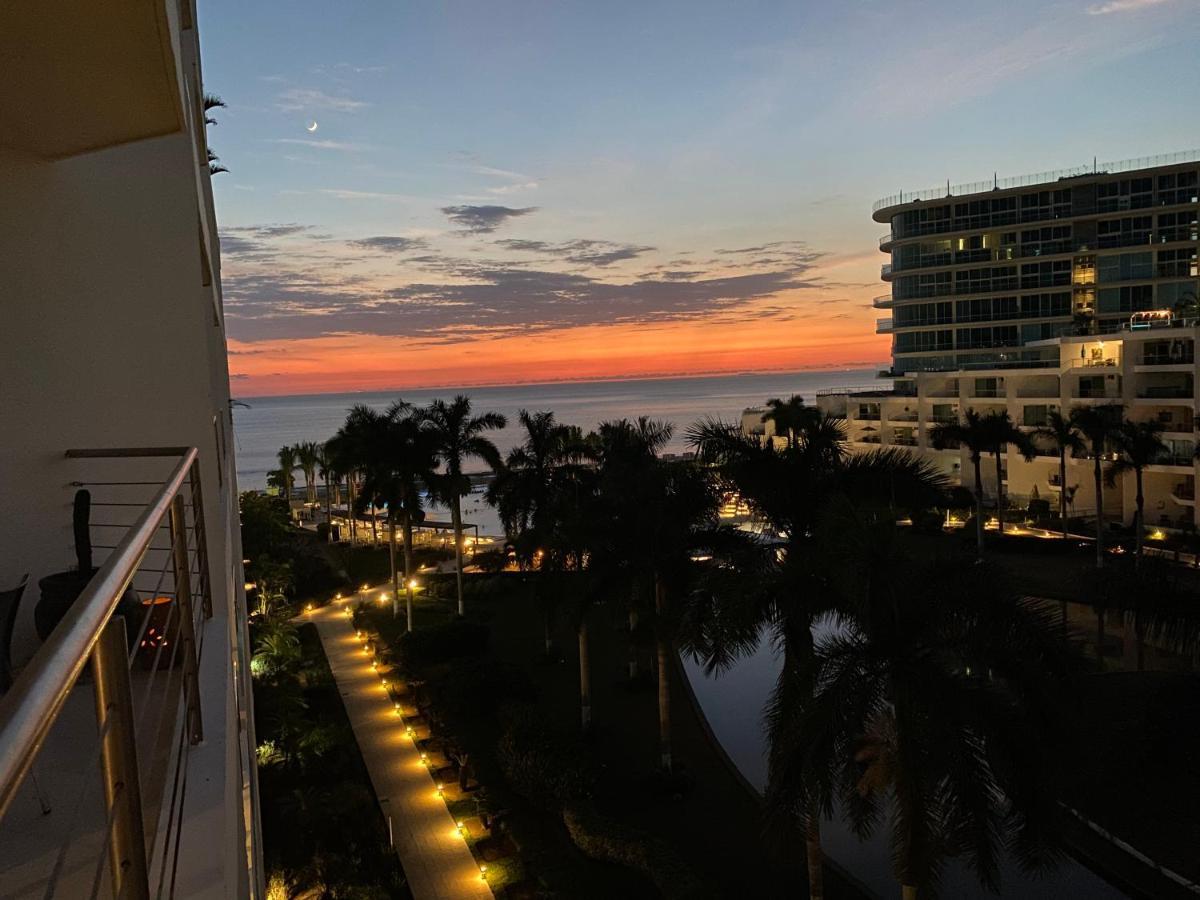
(320, 145)
(389, 244)
(270, 231)
(513, 188)
(254, 241)
(485, 298)
(1120, 6)
(297, 99)
(483, 219)
(581, 252)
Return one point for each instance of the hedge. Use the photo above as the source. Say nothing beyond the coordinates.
(609, 841)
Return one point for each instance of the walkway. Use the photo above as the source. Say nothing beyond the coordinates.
(436, 860)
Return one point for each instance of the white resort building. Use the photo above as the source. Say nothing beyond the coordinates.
(1036, 294)
(127, 763)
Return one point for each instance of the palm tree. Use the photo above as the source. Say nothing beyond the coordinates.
(327, 475)
(411, 460)
(974, 434)
(788, 416)
(212, 101)
(1098, 424)
(791, 490)
(1138, 444)
(459, 436)
(1062, 434)
(937, 718)
(1001, 434)
(308, 458)
(287, 467)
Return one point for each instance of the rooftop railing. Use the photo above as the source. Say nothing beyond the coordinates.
(111, 790)
(998, 184)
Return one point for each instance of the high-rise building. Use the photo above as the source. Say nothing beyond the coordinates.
(981, 275)
(1038, 294)
(127, 763)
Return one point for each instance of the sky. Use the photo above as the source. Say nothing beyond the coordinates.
(427, 194)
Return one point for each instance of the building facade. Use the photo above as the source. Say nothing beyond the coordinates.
(1042, 294)
(114, 380)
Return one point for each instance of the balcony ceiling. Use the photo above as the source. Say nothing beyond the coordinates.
(82, 75)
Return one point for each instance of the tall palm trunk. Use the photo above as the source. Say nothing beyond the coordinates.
(374, 526)
(977, 462)
(456, 520)
(908, 892)
(999, 492)
(662, 652)
(351, 518)
(392, 561)
(1097, 449)
(815, 857)
(408, 566)
(1139, 516)
(1062, 489)
(633, 650)
(585, 675)
(328, 503)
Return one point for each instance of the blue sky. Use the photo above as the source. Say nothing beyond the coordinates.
(621, 151)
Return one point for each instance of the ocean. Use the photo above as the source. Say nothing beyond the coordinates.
(271, 422)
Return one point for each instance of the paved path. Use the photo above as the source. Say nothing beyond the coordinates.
(436, 860)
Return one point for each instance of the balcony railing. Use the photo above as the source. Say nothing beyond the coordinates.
(1166, 392)
(1176, 459)
(885, 271)
(942, 192)
(883, 301)
(902, 441)
(1167, 359)
(883, 326)
(885, 239)
(116, 783)
(902, 417)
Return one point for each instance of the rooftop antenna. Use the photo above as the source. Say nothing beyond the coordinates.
(1094, 167)
(995, 182)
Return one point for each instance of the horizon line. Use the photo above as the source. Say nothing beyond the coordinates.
(601, 379)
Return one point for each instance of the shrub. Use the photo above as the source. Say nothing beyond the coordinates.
(1039, 509)
(547, 768)
(453, 640)
(323, 531)
(604, 839)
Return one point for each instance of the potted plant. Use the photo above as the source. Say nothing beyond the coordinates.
(61, 589)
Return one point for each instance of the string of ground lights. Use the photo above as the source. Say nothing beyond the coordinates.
(399, 732)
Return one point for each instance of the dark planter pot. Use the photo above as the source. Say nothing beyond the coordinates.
(59, 593)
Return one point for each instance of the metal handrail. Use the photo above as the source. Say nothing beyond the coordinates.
(1096, 168)
(31, 707)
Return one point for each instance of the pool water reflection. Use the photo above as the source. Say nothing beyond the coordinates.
(733, 704)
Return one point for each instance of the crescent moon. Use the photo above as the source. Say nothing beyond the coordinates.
(312, 126)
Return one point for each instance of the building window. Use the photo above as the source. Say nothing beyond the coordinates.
(1125, 267)
(919, 341)
(985, 280)
(1046, 274)
(1180, 226)
(1131, 298)
(1128, 193)
(988, 336)
(1035, 415)
(1177, 263)
(1128, 232)
(1178, 187)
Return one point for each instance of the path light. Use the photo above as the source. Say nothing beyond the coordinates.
(483, 873)
(460, 826)
(308, 608)
(412, 584)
